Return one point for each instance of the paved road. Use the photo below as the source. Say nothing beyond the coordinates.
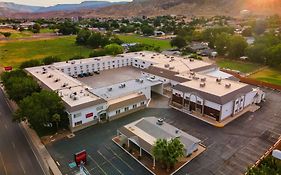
(16, 156)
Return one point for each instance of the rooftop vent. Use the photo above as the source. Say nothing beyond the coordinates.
(50, 76)
(167, 65)
(109, 89)
(202, 84)
(72, 62)
(218, 80)
(75, 98)
(196, 78)
(57, 80)
(160, 121)
(141, 80)
(171, 68)
(192, 73)
(122, 85)
(203, 79)
(191, 60)
(152, 57)
(137, 80)
(228, 85)
(64, 84)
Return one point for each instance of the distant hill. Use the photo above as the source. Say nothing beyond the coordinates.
(156, 7)
(77, 7)
(17, 7)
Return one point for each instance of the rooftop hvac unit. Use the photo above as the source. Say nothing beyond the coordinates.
(44, 72)
(152, 57)
(81, 91)
(218, 80)
(57, 80)
(192, 73)
(160, 121)
(122, 85)
(109, 89)
(75, 98)
(202, 84)
(137, 80)
(203, 79)
(141, 80)
(72, 62)
(171, 68)
(191, 60)
(228, 85)
(167, 65)
(50, 76)
(196, 78)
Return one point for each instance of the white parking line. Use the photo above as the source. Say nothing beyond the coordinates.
(119, 157)
(97, 165)
(3, 164)
(110, 162)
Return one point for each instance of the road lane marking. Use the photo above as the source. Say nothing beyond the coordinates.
(97, 165)
(3, 164)
(110, 162)
(14, 146)
(21, 165)
(107, 147)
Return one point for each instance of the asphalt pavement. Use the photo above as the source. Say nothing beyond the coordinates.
(16, 155)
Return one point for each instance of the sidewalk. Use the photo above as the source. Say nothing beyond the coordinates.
(42, 155)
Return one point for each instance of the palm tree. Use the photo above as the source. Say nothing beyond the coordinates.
(168, 152)
(56, 119)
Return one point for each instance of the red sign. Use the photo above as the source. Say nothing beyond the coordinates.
(89, 115)
(8, 68)
(80, 157)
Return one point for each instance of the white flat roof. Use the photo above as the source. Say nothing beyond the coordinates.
(131, 86)
(211, 84)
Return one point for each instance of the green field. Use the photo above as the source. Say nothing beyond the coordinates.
(15, 52)
(21, 34)
(163, 44)
(268, 75)
(245, 67)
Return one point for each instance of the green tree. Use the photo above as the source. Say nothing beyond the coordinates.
(114, 49)
(56, 119)
(30, 63)
(168, 152)
(268, 166)
(147, 30)
(237, 46)
(68, 28)
(178, 42)
(39, 108)
(20, 87)
(50, 59)
(247, 32)
(97, 40)
(36, 28)
(221, 43)
(6, 34)
(273, 56)
(82, 37)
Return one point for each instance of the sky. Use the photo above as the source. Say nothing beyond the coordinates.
(51, 2)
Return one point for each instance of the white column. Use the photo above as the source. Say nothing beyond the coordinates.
(140, 151)
(128, 143)
(153, 162)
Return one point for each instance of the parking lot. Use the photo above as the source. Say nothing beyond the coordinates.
(230, 150)
(111, 76)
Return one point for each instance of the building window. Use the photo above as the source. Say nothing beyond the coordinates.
(134, 106)
(118, 111)
(78, 123)
(126, 109)
(77, 115)
(142, 103)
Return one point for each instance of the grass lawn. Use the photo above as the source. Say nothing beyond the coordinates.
(163, 44)
(244, 67)
(23, 34)
(15, 52)
(268, 75)
(47, 30)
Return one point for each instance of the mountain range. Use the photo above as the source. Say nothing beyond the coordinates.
(59, 7)
(148, 8)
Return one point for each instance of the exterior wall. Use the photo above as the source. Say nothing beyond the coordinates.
(250, 98)
(95, 65)
(140, 63)
(227, 110)
(112, 114)
(157, 89)
(81, 115)
(191, 149)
